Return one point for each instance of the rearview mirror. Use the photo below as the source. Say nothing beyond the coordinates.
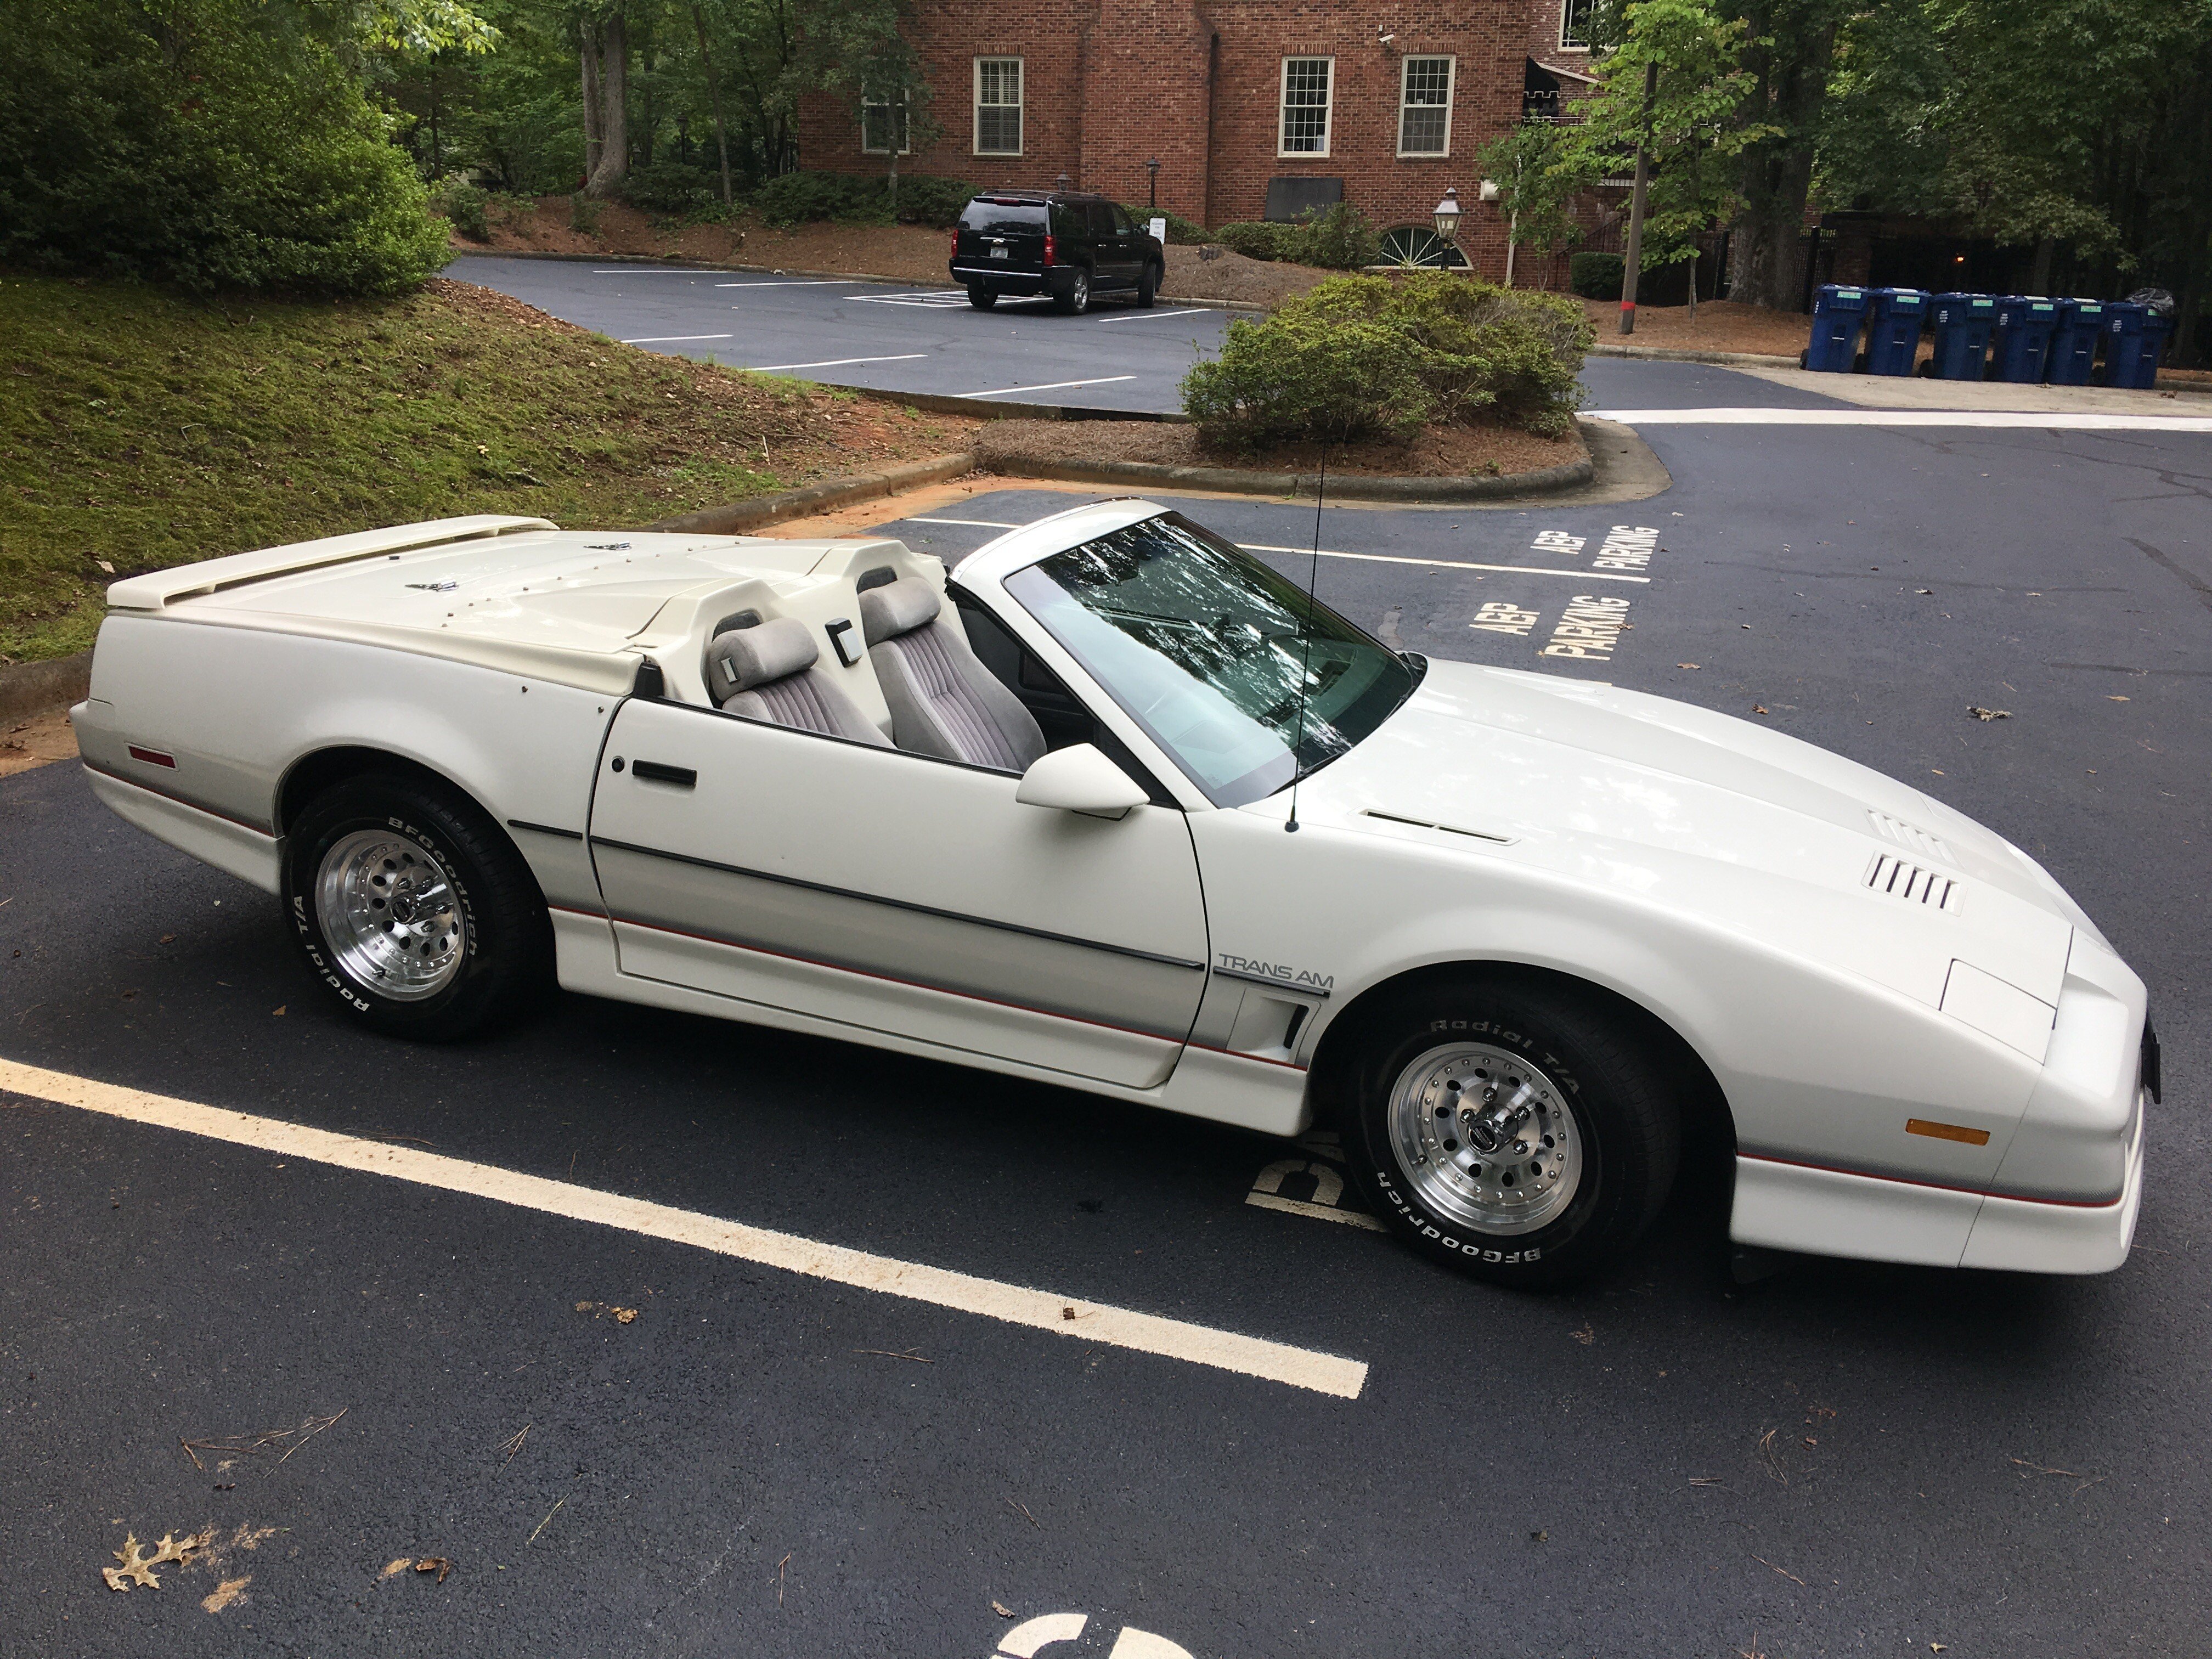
(1080, 780)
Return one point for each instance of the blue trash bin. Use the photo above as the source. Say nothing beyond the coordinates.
(1963, 323)
(1838, 313)
(2021, 344)
(2133, 340)
(1893, 335)
(2073, 342)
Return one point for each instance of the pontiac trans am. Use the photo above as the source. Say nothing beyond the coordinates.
(1120, 808)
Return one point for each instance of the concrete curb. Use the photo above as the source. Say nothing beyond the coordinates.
(35, 688)
(1252, 306)
(990, 409)
(815, 498)
(1669, 355)
(1234, 480)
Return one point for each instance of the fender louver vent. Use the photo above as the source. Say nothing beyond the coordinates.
(1909, 836)
(1915, 885)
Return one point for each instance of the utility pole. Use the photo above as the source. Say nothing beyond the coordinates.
(1628, 261)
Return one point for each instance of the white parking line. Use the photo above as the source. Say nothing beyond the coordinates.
(671, 339)
(2086, 420)
(800, 282)
(657, 271)
(1447, 564)
(834, 362)
(1043, 1311)
(1149, 316)
(1049, 385)
(973, 523)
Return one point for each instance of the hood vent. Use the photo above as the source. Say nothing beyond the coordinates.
(1449, 829)
(1909, 836)
(1892, 875)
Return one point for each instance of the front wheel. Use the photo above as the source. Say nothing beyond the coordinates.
(413, 909)
(1075, 298)
(1523, 1134)
(981, 297)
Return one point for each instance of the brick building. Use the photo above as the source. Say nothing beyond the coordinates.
(1253, 108)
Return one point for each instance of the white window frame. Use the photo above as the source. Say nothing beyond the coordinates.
(1020, 105)
(1567, 42)
(1451, 97)
(1328, 109)
(905, 148)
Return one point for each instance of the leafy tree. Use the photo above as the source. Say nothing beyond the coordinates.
(1537, 184)
(863, 51)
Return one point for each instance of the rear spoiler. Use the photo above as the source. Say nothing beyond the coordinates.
(157, 588)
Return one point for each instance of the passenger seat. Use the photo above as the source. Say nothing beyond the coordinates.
(943, 701)
(766, 672)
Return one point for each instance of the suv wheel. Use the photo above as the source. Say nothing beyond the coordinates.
(1148, 285)
(981, 297)
(413, 909)
(1523, 1134)
(1077, 299)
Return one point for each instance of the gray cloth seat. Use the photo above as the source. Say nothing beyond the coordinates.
(943, 701)
(767, 673)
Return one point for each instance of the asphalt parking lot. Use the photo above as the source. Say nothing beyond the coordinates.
(1844, 1460)
(909, 338)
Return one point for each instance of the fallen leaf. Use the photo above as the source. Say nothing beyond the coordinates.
(277, 1011)
(106, 568)
(2116, 700)
(1002, 1609)
(1585, 1336)
(168, 938)
(1540, 1537)
(1923, 590)
(437, 1564)
(393, 1568)
(230, 1590)
(1758, 709)
(138, 1566)
(1685, 665)
(1982, 714)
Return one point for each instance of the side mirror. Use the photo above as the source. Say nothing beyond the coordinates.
(1080, 780)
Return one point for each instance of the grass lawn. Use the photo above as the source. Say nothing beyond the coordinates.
(139, 429)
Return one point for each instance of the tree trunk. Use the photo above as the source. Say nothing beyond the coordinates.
(1766, 257)
(614, 94)
(1633, 259)
(715, 91)
(587, 54)
(2039, 276)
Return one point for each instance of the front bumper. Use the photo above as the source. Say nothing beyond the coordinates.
(2037, 1236)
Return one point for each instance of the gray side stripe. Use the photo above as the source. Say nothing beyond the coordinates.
(899, 904)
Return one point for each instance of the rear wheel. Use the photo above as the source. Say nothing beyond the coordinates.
(413, 909)
(1075, 298)
(1524, 1135)
(1148, 285)
(981, 297)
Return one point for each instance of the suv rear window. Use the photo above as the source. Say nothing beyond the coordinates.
(1003, 218)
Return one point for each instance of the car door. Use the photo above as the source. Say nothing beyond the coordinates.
(896, 893)
(1111, 247)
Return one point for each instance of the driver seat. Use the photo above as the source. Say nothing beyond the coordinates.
(766, 672)
(943, 701)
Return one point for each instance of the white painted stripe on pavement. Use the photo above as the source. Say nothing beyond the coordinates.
(1044, 1310)
(1447, 564)
(657, 271)
(800, 282)
(671, 339)
(1148, 316)
(2046, 420)
(974, 524)
(1049, 385)
(1317, 1211)
(836, 362)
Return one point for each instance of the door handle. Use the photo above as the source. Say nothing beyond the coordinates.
(655, 772)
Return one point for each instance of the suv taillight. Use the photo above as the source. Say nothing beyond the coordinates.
(956, 241)
(1050, 249)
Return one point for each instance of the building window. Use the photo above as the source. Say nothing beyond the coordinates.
(1424, 107)
(879, 119)
(1305, 105)
(998, 106)
(1574, 25)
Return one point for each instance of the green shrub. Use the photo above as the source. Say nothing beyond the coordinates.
(196, 143)
(671, 187)
(466, 208)
(1595, 275)
(1379, 356)
(583, 215)
(1338, 240)
(794, 199)
(1255, 240)
(1182, 232)
(923, 200)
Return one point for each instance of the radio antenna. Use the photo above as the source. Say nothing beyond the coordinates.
(1305, 654)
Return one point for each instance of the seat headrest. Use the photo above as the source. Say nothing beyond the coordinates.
(747, 657)
(898, 608)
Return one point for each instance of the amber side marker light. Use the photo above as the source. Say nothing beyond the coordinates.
(1959, 1131)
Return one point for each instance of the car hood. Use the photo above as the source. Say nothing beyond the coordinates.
(1681, 807)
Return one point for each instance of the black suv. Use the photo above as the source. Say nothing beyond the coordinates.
(1073, 247)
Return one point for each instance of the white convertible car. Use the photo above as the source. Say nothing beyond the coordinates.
(1119, 809)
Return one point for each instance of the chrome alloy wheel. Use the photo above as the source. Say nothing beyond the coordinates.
(1484, 1138)
(389, 911)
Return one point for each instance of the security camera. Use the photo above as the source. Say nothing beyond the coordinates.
(1383, 40)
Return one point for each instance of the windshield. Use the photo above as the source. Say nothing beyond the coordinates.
(1203, 645)
(1003, 218)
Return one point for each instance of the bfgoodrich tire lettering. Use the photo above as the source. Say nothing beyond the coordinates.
(482, 943)
(1522, 1132)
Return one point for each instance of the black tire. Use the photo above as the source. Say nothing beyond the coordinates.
(489, 896)
(1623, 1107)
(981, 297)
(1075, 298)
(1148, 286)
